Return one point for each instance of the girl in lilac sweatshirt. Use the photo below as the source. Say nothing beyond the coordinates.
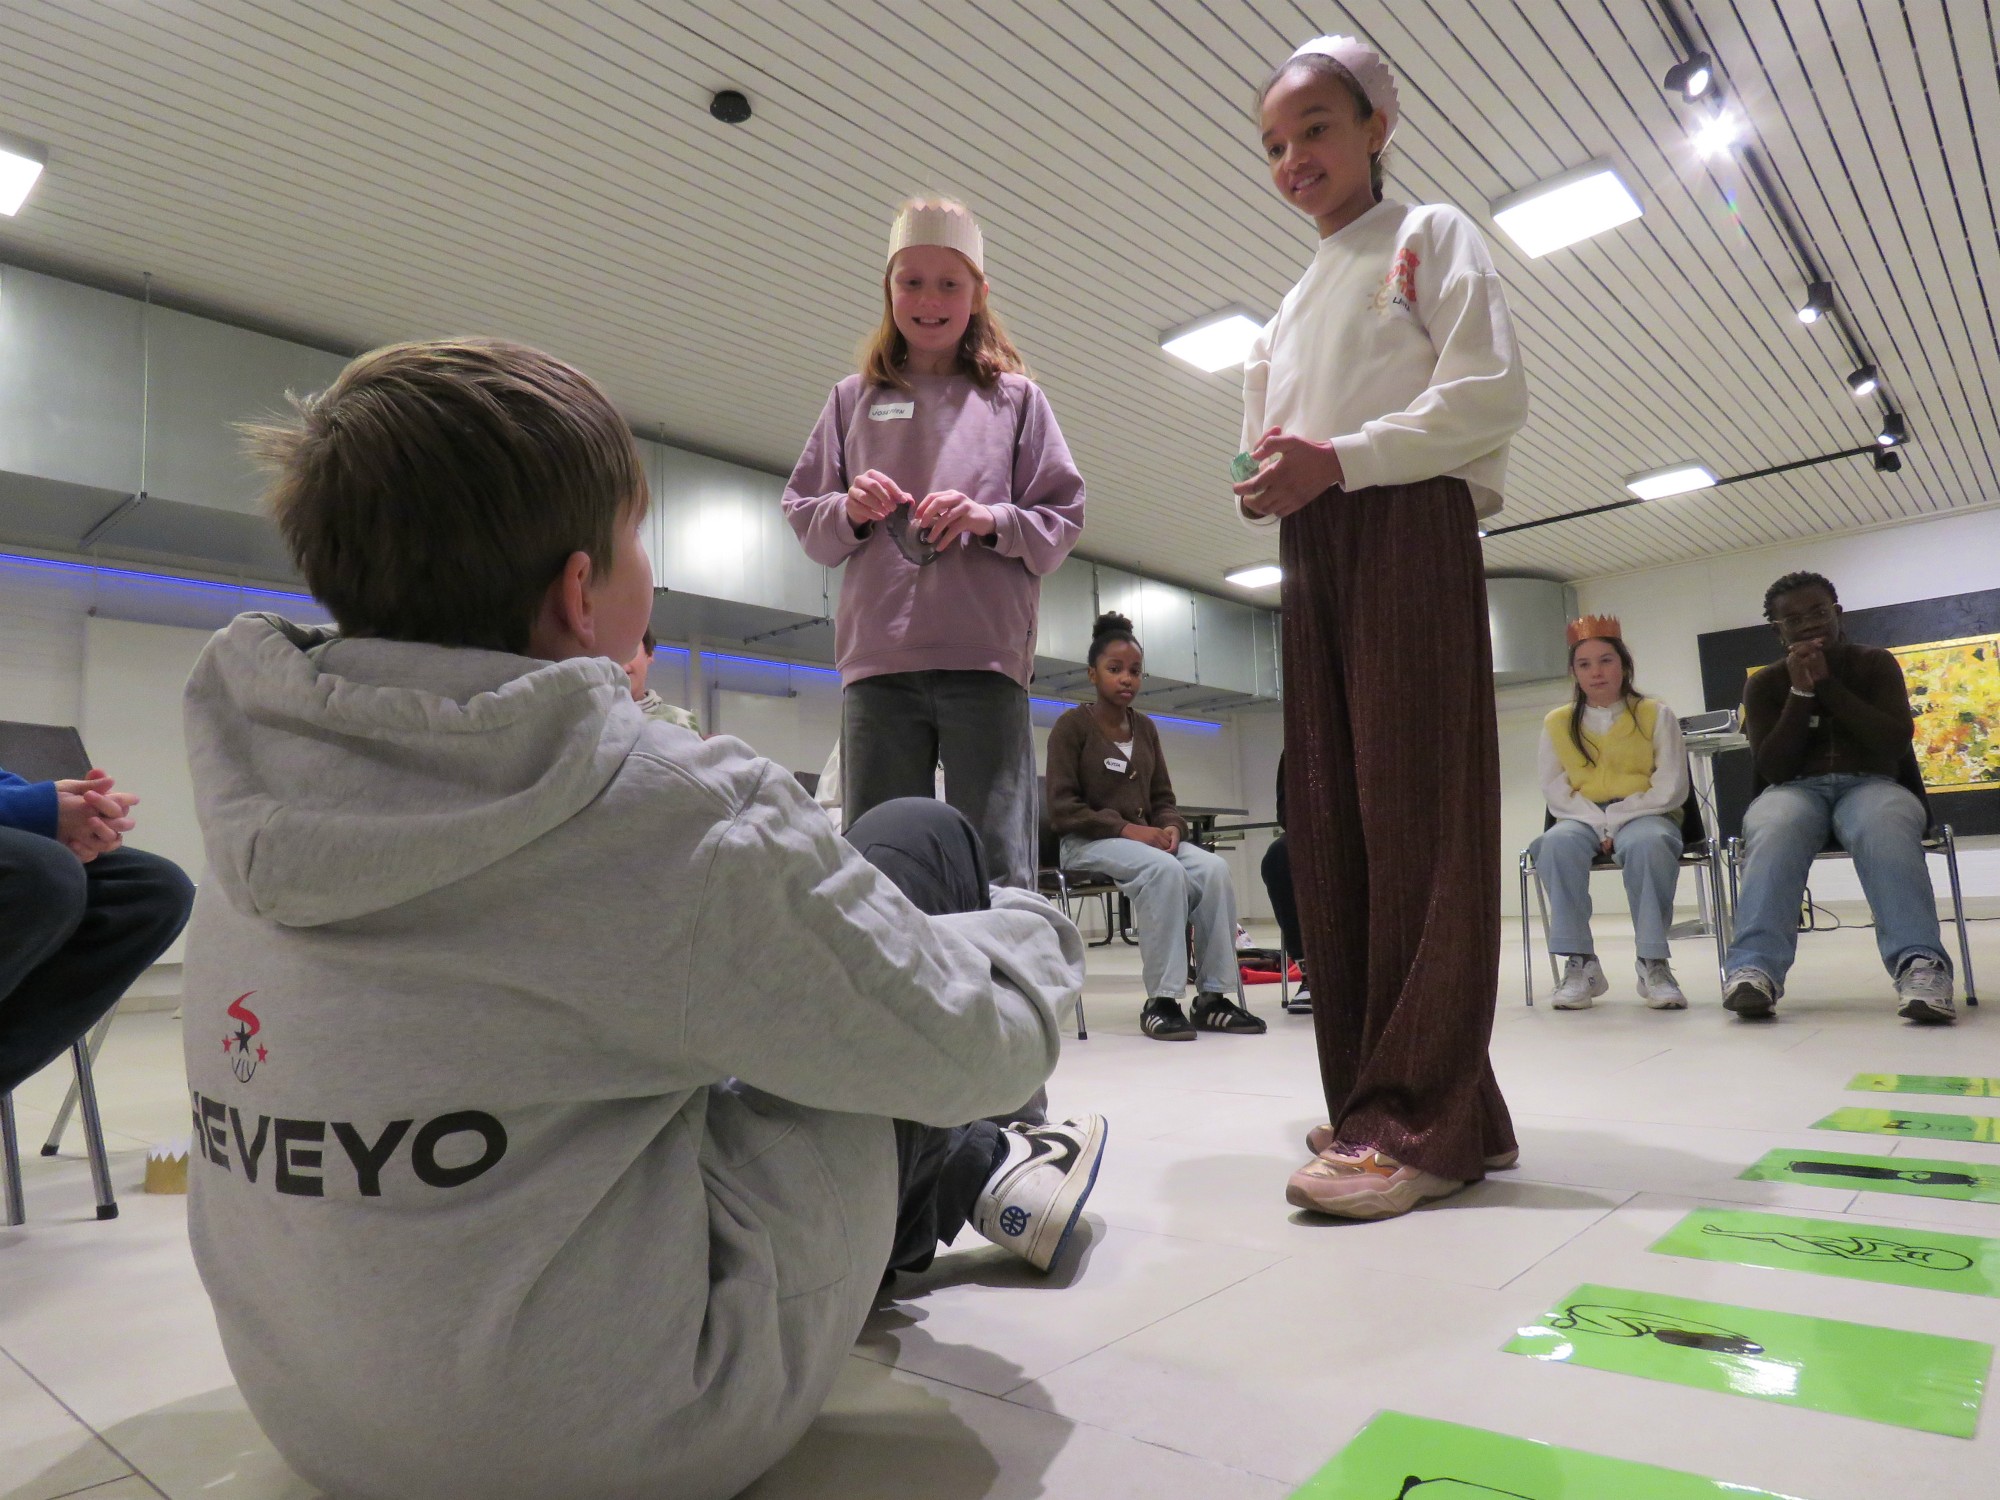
(939, 476)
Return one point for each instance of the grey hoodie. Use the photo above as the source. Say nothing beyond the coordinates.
(542, 1060)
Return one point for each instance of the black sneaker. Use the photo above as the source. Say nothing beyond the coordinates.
(1220, 1013)
(1749, 994)
(1164, 1021)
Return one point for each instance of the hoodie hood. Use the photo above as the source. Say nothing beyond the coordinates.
(335, 778)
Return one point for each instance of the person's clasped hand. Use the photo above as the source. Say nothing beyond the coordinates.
(946, 515)
(872, 497)
(92, 818)
(1296, 471)
(1806, 664)
(1167, 839)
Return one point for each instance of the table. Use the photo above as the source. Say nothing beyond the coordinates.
(1201, 821)
(1702, 750)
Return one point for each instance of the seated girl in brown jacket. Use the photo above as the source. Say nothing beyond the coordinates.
(1112, 804)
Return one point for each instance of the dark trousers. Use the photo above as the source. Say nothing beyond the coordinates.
(73, 937)
(933, 856)
(1393, 783)
(1277, 870)
(897, 730)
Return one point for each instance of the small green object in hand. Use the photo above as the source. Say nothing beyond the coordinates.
(1243, 468)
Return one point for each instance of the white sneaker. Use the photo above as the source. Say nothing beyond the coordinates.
(1924, 987)
(1035, 1196)
(1750, 994)
(1657, 986)
(1582, 982)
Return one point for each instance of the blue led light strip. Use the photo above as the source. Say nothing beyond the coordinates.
(169, 578)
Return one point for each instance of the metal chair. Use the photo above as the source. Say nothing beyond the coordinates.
(1071, 888)
(1697, 850)
(1938, 841)
(93, 1135)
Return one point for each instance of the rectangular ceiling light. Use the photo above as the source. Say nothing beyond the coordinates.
(1565, 209)
(1674, 479)
(20, 164)
(1256, 576)
(1215, 342)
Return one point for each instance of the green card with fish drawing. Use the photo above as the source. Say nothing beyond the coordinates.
(1904, 1122)
(1925, 1083)
(1916, 1177)
(1920, 1380)
(1928, 1258)
(1398, 1457)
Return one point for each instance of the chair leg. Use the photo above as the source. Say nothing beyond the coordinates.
(1958, 914)
(1527, 943)
(10, 1163)
(93, 1133)
(97, 1035)
(1082, 1031)
(1284, 978)
(1542, 905)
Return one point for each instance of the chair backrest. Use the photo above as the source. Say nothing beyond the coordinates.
(807, 779)
(42, 752)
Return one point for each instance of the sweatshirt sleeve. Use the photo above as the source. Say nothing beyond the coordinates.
(1778, 723)
(1669, 789)
(1069, 812)
(1161, 809)
(1046, 515)
(1256, 385)
(811, 977)
(816, 494)
(29, 806)
(1564, 800)
(1478, 395)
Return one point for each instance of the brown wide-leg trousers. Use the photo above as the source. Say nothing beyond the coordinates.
(1392, 762)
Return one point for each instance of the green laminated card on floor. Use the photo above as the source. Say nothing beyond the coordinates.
(1396, 1457)
(1925, 1083)
(1916, 1177)
(1903, 1122)
(1920, 1380)
(1928, 1258)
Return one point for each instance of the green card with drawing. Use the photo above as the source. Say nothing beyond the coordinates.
(1928, 1258)
(1398, 1457)
(1920, 1380)
(1925, 1083)
(1916, 1177)
(1983, 1128)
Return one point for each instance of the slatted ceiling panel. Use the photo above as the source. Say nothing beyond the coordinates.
(377, 169)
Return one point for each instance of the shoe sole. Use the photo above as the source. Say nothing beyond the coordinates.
(1925, 1014)
(1169, 1036)
(1392, 1204)
(1067, 1205)
(1670, 1002)
(1749, 1003)
(1584, 1003)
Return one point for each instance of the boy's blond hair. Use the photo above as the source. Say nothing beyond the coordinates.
(435, 489)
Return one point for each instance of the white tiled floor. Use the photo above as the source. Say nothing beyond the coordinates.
(1208, 1341)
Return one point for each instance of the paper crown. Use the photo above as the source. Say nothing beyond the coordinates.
(1594, 628)
(1366, 64)
(938, 221)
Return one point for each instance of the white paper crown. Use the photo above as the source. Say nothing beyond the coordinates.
(938, 221)
(1366, 64)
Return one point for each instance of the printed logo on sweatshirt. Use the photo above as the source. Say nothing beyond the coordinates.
(292, 1156)
(1399, 287)
(242, 1060)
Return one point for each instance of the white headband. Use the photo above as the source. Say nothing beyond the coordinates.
(929, 221)
(1366, 64)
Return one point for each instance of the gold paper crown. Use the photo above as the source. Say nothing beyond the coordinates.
(1594, 628)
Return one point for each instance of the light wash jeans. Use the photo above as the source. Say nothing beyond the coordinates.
(1647, 849)
(1167, 892)
(1880, 823)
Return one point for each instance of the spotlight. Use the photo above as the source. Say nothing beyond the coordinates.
(730, 107)
(1888, 461)
(1863, 381)
(1818, 303)
(1718, 133)
(1893, 434)
(1691, 79)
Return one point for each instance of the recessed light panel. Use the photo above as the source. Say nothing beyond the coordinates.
(1674, 479)
(1566, 209)
(1256, 576)
(1214, 343)
(20, 165)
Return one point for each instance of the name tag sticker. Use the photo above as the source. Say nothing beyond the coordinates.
(1113, 763)
(892, 411)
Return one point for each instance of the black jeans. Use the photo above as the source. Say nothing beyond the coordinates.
(73, 937)
(897, 730)
(933, 855)
(1284, 903)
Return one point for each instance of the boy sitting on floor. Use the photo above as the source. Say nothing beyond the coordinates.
(564, 1085)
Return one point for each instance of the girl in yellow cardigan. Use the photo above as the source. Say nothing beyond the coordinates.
(1614, 770)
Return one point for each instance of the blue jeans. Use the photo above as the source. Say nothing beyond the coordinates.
(1169, 892)
(1880, 823)
(1647, 849)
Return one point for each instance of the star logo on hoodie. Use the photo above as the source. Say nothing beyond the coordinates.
(237, 1043)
